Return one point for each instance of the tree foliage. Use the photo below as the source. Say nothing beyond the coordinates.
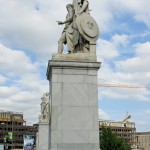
(110, 141)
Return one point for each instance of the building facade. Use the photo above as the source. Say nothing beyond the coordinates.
(12, 129)
(143, 140)
(122, 129)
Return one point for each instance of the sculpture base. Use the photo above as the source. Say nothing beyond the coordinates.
(76, 57)
(74, 103)
(76, 146)
(43, 136)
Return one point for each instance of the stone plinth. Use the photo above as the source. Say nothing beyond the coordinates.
(74, 104)
(88, 57)
(43, 136)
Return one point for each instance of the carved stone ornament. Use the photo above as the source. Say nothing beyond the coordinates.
(44, 107)
(87, 27)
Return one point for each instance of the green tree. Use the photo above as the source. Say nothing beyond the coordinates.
(110, 141)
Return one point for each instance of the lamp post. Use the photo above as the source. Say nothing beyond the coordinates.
(12, 135)
(5, 143)
(5, 137)
(12, 132)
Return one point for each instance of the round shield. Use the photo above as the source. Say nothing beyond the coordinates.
(87, 27)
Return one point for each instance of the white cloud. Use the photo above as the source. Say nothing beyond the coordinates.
(143, 49)
(2, 79)
(120, 39)
(24, 27)
(138, 8)
(23, 101)
(26, 85)
(14, 62)
(103, 115)
(133, 94)
(102, 12)
(131, 71)
(138, 65)
(28, 102)
(142, 12)
(8, 91)
(105, 12)
(106, 50)
(33, 82)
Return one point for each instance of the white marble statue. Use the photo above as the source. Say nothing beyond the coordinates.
(80, 28)
(67, 34)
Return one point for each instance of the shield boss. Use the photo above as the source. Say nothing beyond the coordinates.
(88, 27)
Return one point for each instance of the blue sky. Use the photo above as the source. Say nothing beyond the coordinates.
(29, 35)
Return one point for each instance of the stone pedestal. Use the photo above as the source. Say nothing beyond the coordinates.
(43, 136)
(74, 104)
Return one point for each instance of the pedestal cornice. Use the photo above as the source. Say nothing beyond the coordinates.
(71, 64)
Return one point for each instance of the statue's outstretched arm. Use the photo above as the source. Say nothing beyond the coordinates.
(69, 19)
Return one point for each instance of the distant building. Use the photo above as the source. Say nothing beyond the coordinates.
(13, 123)
(143, 140)
(123, 129)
